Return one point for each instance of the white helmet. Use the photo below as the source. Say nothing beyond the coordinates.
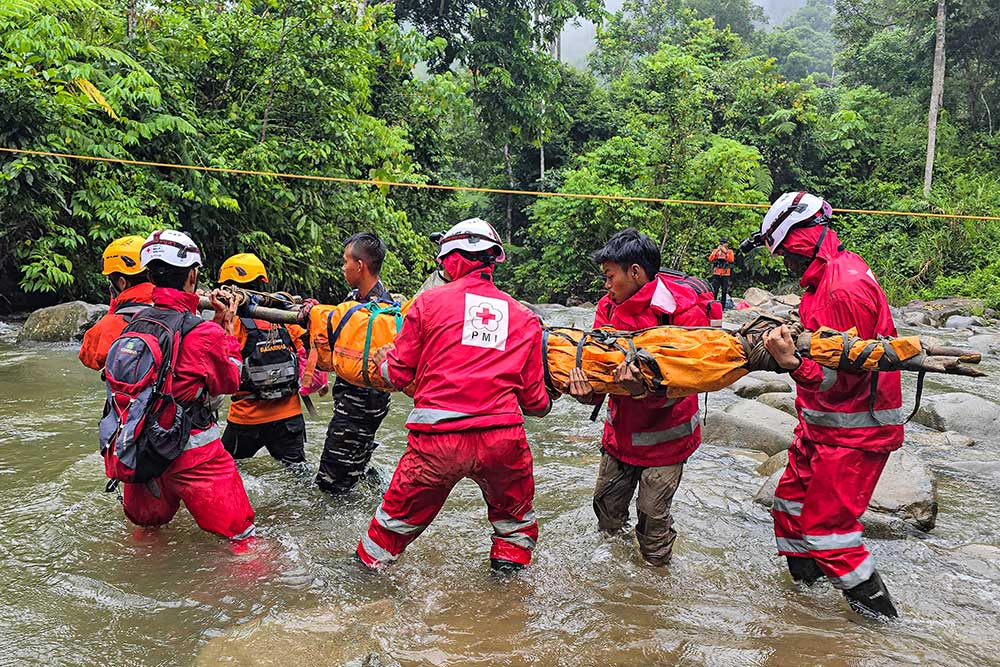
(472, 235)
(792, 209)
(171, 247)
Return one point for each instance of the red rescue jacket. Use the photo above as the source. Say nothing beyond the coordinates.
(210, 360)
(653, 431)
(842, 292)
(98, 339)
(475, 354)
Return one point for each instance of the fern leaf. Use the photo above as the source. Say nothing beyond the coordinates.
(94, 95)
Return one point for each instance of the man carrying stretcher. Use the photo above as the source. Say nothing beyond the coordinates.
(473, 354)
(647, 437)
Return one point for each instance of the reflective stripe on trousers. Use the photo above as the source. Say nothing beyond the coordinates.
(397, 526)
(375, 551)
(893, 417)
(433, 416)
(507, 531)
(810, 543)
(859, 575)
(207, 436)
(673, 433)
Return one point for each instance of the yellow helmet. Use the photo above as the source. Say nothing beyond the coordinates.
(122, 256)
(243, 268)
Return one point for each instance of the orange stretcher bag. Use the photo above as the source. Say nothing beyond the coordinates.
(344, 337)
(676, 360)
(836, 349)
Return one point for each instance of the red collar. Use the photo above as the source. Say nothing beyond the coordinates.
(173, 299)
(141, 293)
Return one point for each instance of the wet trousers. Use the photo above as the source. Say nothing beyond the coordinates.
(616, 484)
(206, 480)
(284, 439)
(497, 459)
(350, 438)
(821, 495)
(720, 289)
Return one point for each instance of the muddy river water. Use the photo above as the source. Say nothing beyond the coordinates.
(81, 586)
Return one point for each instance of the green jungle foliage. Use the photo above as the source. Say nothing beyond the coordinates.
(688, 99)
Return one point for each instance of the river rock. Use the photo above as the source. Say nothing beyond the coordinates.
(939, 310)
(917, 318)
(942, 439)
(558, 315)
(751, 387)
(963, 322)
(983, 559)
(780, 401)
(750, 425)
(772, 464)
(756, 296)
(61, 323)
(985, 343)
(792, 300)
(905, 497)
(964, 413)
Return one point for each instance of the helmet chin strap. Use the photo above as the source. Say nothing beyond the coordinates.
(819, 243)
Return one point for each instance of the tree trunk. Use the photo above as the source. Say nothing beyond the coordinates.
(510, 197)
(937, 92)
(274, 75)
(131, 19)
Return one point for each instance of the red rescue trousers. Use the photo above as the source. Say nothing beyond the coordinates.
(497, 459)
(819, 499)
(206, 479)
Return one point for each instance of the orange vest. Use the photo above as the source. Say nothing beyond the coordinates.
(98, 338)
(719, 255)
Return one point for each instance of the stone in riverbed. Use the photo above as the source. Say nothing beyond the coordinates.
(756, 296)
(985, 343)
(941, 439)
(780, 401)
(963, 322)
(751, 387)
(62, 323)
(963, 413)
(905, 497)
(750, 425)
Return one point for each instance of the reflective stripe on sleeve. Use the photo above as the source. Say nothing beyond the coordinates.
(786, 544)
(832, 541)
(859, 575)
(375, 551)
(787, 506)
(397, 526)
(829, 379)
(656, 437)
(433, 416)
(505, 527)
(203, 438)
(893, 417)
(384, 370)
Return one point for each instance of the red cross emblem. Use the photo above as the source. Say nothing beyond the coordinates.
(485, 317)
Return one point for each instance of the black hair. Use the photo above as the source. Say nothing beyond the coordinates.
(369, 248)
(131, 281)
(629, 247)
(162, 274)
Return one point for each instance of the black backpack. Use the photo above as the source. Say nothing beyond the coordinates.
(270, 363)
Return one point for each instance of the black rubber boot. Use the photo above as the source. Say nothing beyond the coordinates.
(505, 567)
(871, 598)
(804, 570)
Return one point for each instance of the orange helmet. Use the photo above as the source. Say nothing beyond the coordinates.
(122, 256)
(243, 268)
